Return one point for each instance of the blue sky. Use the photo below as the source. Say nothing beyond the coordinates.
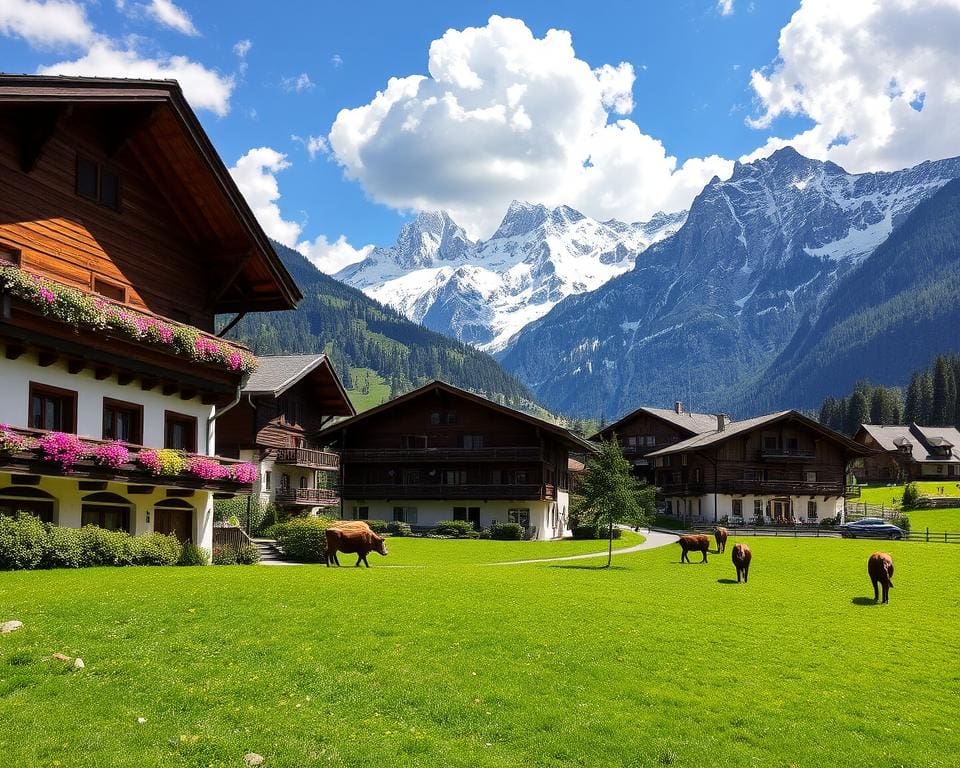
(688, 87)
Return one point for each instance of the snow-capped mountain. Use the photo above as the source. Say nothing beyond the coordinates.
(484, 292)
(707, 309)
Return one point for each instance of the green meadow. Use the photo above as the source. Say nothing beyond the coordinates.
(454, 662)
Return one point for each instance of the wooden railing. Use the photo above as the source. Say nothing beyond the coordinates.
(505, 453)
(787, 453)
(307, 457)
(230, 536)
(439, 491)
(785, 487)
(311, 497)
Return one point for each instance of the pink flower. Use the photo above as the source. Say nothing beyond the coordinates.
(47, 295)
(66, 450)
(206, 348)
(244, 473)
(165, 332)
(235, 361)
(207, 469)
(113, 455)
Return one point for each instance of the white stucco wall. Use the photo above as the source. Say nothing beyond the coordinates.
(16, 375)
(688, 506)
(549, 518)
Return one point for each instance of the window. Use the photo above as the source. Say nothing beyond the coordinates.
(285, 482)
(454, 477)
(410, 476)
(769, 442)
(405, 515)
(52, 408)
(757, 508)
(267, 480)
(361, 513)
(810, 477)
(793, 445)
(451, 417)
(180, 432)
(683, 459)
(413, 442)
(9, 255)
(756, 475)
(521, 477)
(97, 183)
(32, 500)
(649, 440)
(109, 290)
(695, 475)
(106, 510)
(521, 516)
(303, 483)
(473, 441)
(122, 421)
(811, 510)
(434, 418)
(738, 507)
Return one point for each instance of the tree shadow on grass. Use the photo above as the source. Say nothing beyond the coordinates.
(727, 581)
(592, 567)
(864, 601)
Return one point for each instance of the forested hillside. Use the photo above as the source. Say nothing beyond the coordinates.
(362, 336)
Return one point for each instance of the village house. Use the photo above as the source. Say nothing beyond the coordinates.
(905, 452)
(285, 404)
(442, 453)
(122, 236)
(779, 468)
(646, 430)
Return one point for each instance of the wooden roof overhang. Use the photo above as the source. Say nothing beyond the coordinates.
(152, 120)
(320, 382)
(23, 330)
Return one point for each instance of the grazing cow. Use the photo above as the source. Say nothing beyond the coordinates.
(352, 525)
(696, 543)
(880, 568)
(741, 561)
(720, 533)
(353, 540)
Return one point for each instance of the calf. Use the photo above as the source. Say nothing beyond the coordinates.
(741, 561)
(880, 568)
(353, 540)
(720, 534)
(695, 543)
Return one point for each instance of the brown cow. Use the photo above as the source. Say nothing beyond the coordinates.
(741, 560)
(720, 533)
(696, 543)
(353, 540)
(880, 568)
(352, 525)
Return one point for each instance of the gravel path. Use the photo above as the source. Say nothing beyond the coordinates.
(653, 540)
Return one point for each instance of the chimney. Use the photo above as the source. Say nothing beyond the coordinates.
(722, 421)
(678, 406)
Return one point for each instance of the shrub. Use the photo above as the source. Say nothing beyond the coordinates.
(457, 529)
(595, 530)
(828, 522)
(248, 554)
(397, 528)
(224, 556)
(377, 526)
(303, 539)
(902, 522)
(103, 547)
(506, 531)
(911, 495)
(23, 542)
(64, 548)
(153, 549)
(193, 555)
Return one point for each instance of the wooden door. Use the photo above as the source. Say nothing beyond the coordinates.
(179, 522)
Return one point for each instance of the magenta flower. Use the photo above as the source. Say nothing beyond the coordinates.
(207, 469)
(244, 473)
(47, 295)
(235, 361)
(66, 450)
(113, 455)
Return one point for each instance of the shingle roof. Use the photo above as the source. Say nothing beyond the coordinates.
(738, 427)
(891, 437)
(692, 422)
(276, 373)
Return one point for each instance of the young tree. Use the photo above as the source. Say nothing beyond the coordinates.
(610, 491)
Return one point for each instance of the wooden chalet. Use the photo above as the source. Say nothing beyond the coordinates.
(286, 402)
(646, 430)
(905, 452)
(779, 468)
(122, 236)
(442, 453)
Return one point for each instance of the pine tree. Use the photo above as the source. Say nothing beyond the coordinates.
(925, 412)
(911, 409)
(944, 394)
(859, 410)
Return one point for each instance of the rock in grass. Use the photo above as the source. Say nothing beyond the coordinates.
(78, 664)
(252, 758)
(10, 626)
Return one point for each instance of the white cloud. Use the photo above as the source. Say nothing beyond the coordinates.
(298, 84)
(241, 48)
(336, 60)
(256, 175)
(502, 115)
(169, 15)
(315, 145)
(50, 24)
(725, 7)
(879, 80)
(332, 257)
(204, 88)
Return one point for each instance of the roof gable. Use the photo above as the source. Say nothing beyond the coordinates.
(277, 374)
(689, 421)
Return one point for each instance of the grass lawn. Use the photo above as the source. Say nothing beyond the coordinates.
(369, 389)
(938, 520)
(648, 663)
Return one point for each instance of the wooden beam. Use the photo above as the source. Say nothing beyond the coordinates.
(140, 490)
(118, 129)
(75, 366)
(229, 326)
(187, 394)
(14, 351)
(125, 378)
(46, 359)
(36, 125)
(101, 372)
(147, 384)
(92, 485)
(169, 388)
(208, 398)
(227, 284)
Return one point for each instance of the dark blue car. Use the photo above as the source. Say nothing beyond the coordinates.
(870, 528)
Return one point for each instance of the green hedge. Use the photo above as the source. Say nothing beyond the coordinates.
(457, 529)
(377, 526)
(595, 531)
(303, 539)
(396, 528)
(506, 531)
(27, 543)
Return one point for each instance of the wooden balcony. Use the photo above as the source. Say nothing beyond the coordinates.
(307, 497)
(507, 453)
(683, 489)
(526, 492)
(785, 487)
(308, 458)
(786, 454)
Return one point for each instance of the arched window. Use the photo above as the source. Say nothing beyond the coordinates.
(106, 510)
(174, 516)
(19, 499)
(303, 482)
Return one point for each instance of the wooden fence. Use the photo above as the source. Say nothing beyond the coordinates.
(230, 536)
(815, 532)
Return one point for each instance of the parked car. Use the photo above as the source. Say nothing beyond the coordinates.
(870, 528)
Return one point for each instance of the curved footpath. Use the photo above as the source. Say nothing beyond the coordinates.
(653, 540)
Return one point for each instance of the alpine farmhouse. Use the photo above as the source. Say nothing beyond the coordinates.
(122, 235)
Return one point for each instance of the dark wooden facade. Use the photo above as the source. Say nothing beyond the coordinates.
(440, 442)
